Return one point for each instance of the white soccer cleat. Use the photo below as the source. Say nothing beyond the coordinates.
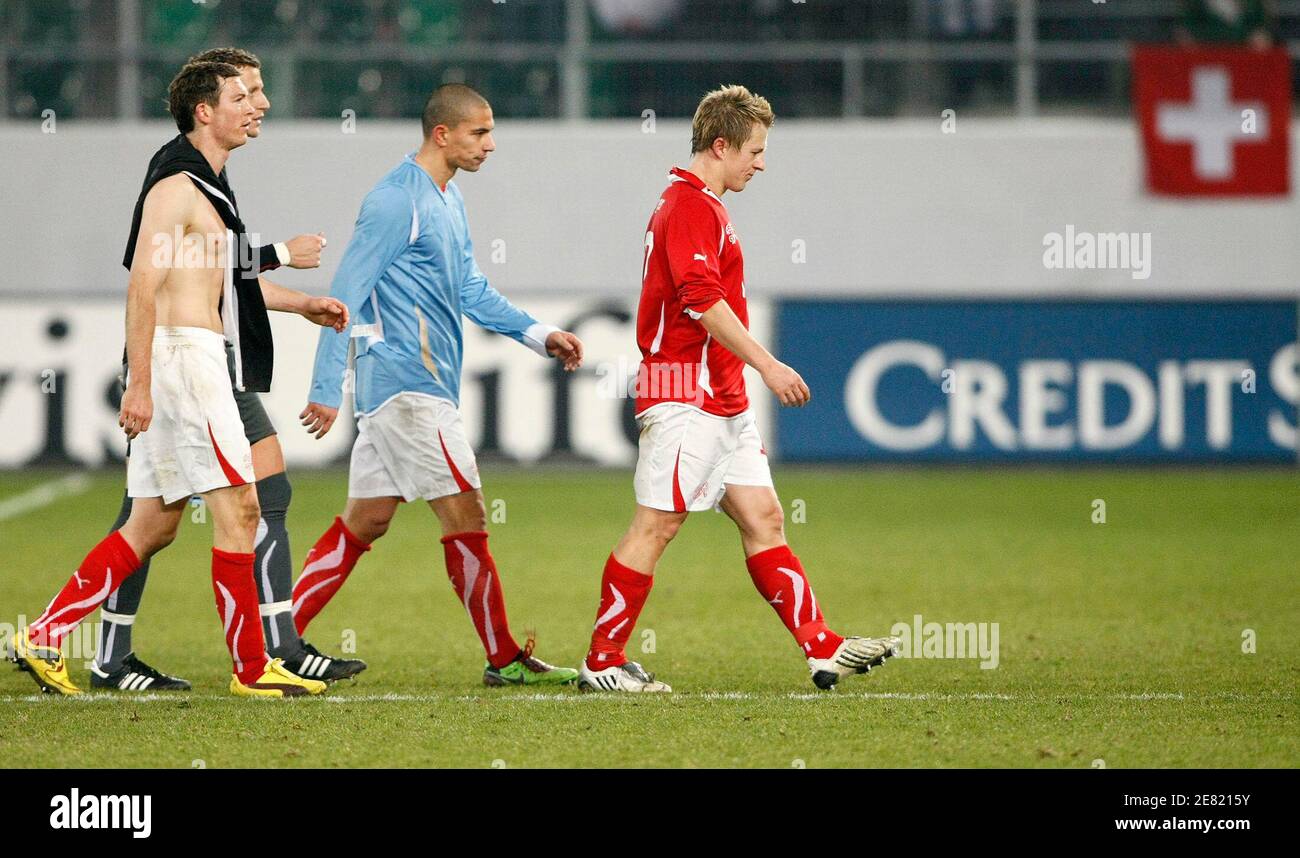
(628, 676)
(854, 655)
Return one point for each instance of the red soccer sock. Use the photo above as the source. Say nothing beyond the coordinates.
(474, 575)
(623, 591)
(106, 566)
(236, 592)
(328, 565)
(779, 577)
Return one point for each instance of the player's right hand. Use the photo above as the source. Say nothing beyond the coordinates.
(565, 347)
(137, 411)
(318, 418)
(304, 250)
(787, 384)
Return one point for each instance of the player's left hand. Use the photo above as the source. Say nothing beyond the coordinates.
(565, 347)
(327, 312)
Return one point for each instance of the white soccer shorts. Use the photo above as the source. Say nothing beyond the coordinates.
(688, 457)
(195, 442)
(413, 447)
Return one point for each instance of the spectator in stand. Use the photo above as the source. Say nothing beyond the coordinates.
(1236, 22)
(635, 17)
(956, 20)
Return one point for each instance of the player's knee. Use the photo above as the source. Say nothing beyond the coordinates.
(461, 513)
(473, 517)
(663, 529)
(766, 525)
(247, 513)
(367, 525)
(772, 522)
(148, 541)
(377, 526)
(164, 536)
(167, 534)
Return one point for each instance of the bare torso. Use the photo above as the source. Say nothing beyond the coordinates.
(190, 293)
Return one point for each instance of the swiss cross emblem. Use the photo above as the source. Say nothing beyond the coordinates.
(1215, 121)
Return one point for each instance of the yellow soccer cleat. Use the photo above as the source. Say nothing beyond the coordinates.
(44, 663)
(276, 681)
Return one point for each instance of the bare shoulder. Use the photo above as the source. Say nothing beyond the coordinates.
(170, 201)
(177, 188)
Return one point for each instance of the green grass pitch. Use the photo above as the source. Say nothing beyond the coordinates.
(1120, 642)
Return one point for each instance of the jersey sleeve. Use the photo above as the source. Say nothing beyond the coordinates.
(694, 240)
(488, 308)
(382, 231)
(266, 258)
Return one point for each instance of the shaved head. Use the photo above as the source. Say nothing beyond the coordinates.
(450, 105)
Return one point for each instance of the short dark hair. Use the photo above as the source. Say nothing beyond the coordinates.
(237, 57)
(194, 84)
(449, 105)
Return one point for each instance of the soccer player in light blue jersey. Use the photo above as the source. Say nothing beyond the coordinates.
(408, 276)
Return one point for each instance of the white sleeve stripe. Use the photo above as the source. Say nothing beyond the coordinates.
(214, 191)
(659, 335)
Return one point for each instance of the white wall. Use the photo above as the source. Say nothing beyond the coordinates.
(884, 208)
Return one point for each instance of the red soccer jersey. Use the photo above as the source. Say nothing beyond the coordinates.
(692, 261)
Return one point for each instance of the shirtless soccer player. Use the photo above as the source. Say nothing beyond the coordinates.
(116, 667)
(178, 408)
(699, 445)
(407, 277)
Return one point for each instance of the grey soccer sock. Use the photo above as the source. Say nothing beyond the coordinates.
(274, 568)
(118, 613)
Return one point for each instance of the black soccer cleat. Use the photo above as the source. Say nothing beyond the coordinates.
(311, 664)
(135, 675)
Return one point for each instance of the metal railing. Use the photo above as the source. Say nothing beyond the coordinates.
(579, 53)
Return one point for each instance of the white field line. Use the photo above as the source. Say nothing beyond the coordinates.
(569, 697)
(43, 495)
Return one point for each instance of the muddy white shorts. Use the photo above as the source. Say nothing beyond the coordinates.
(195, 442)
(413, 447)
(688, 457)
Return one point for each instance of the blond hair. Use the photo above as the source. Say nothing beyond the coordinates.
(728, 112)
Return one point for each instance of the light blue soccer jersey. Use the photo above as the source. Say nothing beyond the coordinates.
(407, 277)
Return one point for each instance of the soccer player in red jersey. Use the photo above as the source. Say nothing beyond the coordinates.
(699, 445)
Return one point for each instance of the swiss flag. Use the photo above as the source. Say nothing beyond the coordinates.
(1215, 121)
